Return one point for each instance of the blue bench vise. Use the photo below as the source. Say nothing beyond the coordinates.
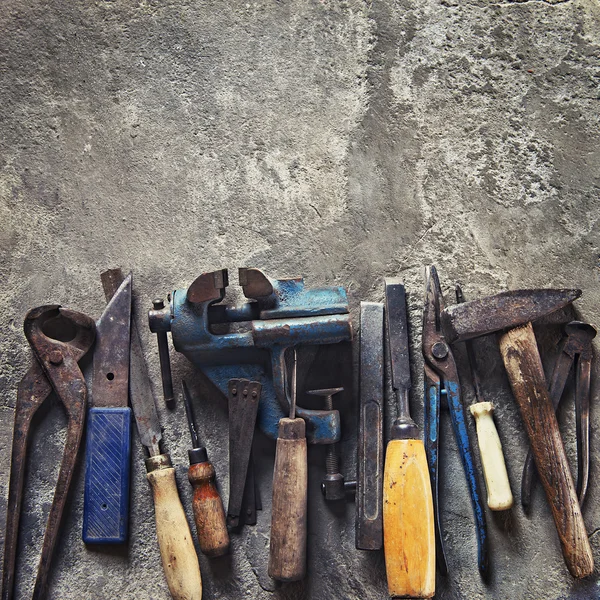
(228, 341)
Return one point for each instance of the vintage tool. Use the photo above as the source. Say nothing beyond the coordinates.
(207, 504)
(441, 380)
(244, 398)
(523, 364)
(179, 559)
(576, 348)
(408, 523)
(59, 339)
(369, 482)
(287, 554)
(332, 485)
(108, 439)
(248, 341)
(499, 495)
(165, 360)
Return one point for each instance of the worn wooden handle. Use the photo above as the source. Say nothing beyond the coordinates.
(208, 510)
(526, 374)
(179, 558)
(287, 555)
(408, 524)
(499, 495)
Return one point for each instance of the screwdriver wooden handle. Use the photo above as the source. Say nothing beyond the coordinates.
(179, 558)
(287, 555)
(499, 495)
(208, 510)
(408, 524)
(526, 375)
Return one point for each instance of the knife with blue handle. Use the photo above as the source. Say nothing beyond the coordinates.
(108, 448)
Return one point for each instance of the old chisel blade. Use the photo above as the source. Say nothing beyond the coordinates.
(397, 331)
(502, 311)
(108, 443)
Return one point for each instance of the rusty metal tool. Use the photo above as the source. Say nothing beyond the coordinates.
(179, 558)
(244, 399)
(333, 485)
(369, 481)
(499, 494)
(408, 516)
(108, 437)
(207, 504)
(59, 339)
(164, 358)
(287, 553)
(575, 349)
(513, 311)
(441, 380)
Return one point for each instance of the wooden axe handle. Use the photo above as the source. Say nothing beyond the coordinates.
(526, 374)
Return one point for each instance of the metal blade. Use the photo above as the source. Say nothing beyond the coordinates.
(111, 354)
(502, 311)
(141, 393)
(397, 333)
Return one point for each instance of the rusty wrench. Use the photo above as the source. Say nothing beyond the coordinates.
(576, 347)
(59, 338)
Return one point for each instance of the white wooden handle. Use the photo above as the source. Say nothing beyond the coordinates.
(179, 558)
(494, 469)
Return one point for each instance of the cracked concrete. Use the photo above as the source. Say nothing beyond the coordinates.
(344, 141)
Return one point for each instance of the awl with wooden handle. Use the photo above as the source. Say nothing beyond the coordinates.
(207, 504)
(408, 523)
(287, 554)
(179, 558)
(499, 494)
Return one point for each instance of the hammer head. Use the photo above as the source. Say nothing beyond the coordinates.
(503, 311)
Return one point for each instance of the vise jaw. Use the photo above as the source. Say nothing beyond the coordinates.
(249, 340)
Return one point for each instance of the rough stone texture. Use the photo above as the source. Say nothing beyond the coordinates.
(344, 141)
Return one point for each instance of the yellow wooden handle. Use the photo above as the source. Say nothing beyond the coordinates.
(408, 525)
(499, 495)
(179, 558)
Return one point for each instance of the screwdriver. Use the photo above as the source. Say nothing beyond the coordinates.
(408, 524)
(208, 506)
(287, 555)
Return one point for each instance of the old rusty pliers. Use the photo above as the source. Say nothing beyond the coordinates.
(59, 338)
(575, 348)
(441, 381)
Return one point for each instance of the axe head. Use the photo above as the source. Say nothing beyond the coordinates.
(509, 309)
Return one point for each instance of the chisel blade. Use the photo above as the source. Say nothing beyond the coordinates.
(111, 354)
(397, 333)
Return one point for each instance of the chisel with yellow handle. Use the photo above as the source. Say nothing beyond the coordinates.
(408, 523)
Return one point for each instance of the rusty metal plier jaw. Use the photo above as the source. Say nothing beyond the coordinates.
(441, 381)
(59, 338)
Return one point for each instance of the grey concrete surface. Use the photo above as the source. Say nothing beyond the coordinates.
(344, 141)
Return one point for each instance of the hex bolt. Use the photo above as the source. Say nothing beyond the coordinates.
(333, 482)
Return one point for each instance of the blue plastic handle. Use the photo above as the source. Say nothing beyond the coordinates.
(106, 499)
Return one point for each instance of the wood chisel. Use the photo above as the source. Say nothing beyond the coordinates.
(408, 523)
(287, 556)
(208, 506)
(108, 441)
(179, 558)
(499, 494)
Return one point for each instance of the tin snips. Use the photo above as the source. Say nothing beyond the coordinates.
(441, 382)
